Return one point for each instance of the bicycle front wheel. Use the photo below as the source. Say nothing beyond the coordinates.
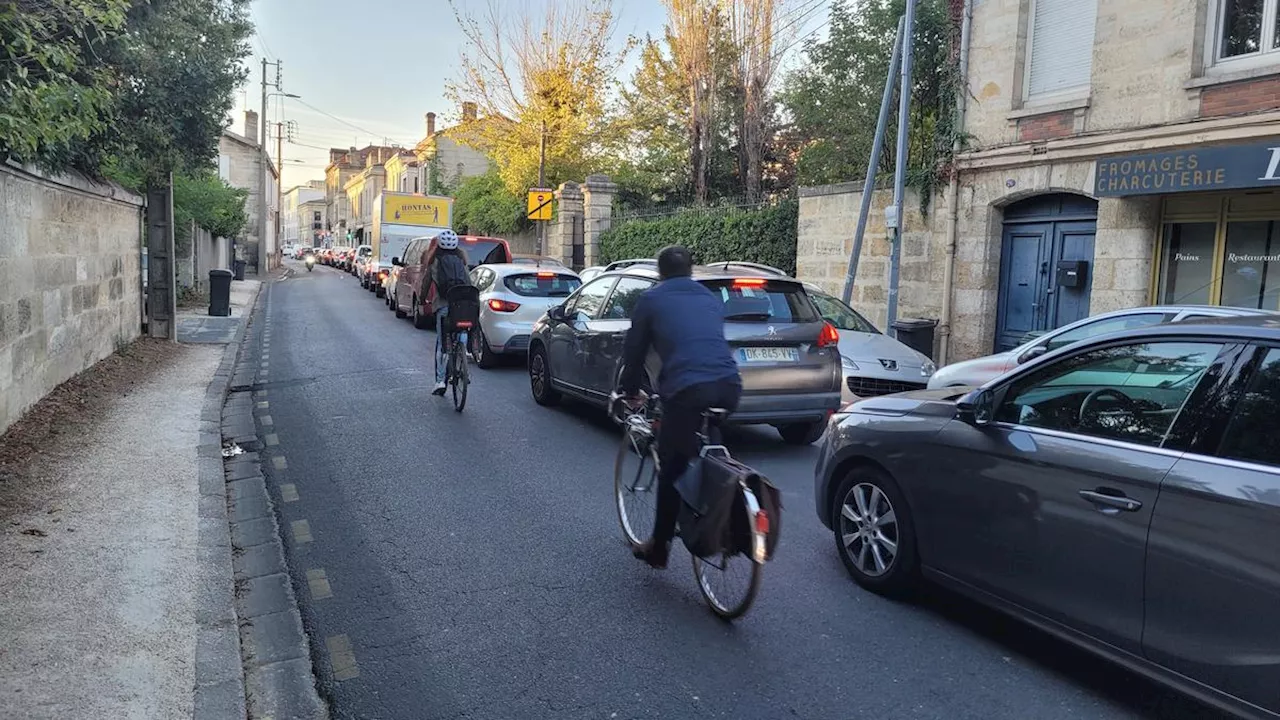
(461, 377)
(635, 484)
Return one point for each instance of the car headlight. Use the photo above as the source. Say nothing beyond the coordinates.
(848, 363)
(928, 368)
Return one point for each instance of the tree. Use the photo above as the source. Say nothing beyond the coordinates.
(834, 99)
(483, 205)
(528, 74)
(760, 37)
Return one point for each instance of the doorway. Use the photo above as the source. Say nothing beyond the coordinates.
(1046, 258)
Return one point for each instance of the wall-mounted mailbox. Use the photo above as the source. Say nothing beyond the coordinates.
(1071, 273)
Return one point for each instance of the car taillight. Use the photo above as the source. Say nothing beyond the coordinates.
(503, 305)
(749, 282)
(829, 336)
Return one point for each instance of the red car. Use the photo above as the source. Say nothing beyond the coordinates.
(413, 266)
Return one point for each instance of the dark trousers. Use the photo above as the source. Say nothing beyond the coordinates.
(678, 444)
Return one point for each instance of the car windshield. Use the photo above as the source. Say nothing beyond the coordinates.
(483, 251)
(841, 315)
(761, 300)
(542, 284)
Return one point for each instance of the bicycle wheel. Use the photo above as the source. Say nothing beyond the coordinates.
(461, 378)
(635, 485)
(728, 582)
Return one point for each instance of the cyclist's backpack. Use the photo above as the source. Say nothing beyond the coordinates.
(451, 272)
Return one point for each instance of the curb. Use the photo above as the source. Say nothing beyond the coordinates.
(219, 675)
(274, 654)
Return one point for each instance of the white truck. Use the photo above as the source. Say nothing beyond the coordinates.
(398, 218)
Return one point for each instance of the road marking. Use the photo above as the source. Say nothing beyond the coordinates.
(263, 404)
(266, 420)
(271, 439)
(289, 492)
(319, 584)
(279, 463)
(301, 531)
(260, 394)
(341, 658)
(266, 356)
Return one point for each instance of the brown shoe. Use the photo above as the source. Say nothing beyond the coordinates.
(654, 555)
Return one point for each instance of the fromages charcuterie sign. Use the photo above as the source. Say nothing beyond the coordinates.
(1198, 169)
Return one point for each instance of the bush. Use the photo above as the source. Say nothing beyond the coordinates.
(766, 235)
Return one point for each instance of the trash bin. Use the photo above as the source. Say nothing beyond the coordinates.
(239, 266)
(916, 333)
(220, 292)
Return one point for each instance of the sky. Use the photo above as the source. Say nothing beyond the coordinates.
(370, 70)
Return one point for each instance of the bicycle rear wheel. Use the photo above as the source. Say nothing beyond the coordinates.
(635, 484)
(460, 377)
(730, 581)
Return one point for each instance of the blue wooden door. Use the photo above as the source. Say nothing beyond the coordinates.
(1071, 241)
(1023, 285)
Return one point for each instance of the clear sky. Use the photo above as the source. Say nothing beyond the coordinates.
(370, 69)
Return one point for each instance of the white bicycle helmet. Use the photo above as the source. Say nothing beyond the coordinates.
(447, 240)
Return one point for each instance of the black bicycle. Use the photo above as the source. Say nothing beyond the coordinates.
(728, 580)
(462, 316)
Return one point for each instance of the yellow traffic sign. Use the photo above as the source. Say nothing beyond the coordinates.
(540, 203)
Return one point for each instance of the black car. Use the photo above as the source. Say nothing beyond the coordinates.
(787, 353)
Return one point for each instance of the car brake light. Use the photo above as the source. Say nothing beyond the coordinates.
(829, 336)
(503, 305)
(546, 275)
(749, 282)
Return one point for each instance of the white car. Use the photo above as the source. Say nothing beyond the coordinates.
(513, 296)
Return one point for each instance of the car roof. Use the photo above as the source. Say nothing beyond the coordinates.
(701, 272)
(1262, 325)
(512, 268)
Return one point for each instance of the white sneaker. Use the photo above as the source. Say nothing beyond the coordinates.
(438, 389)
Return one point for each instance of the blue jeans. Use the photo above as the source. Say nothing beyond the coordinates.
(441, 360)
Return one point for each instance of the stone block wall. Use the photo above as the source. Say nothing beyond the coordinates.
(70, 281)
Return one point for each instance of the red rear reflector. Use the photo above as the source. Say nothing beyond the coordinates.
(464, 324)
(762, 522)
(749, 282)
(503, 305)
(829, 336)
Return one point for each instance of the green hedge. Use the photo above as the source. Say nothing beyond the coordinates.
(766, 235)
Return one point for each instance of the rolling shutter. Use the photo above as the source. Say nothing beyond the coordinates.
(1061, 46)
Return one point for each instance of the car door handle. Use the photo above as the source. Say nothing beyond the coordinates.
(1111, 500)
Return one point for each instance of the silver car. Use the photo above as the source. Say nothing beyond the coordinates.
(972, 373)
(1122, 493)
(512, 298)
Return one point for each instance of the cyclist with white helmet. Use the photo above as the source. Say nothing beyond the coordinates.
(448, 270)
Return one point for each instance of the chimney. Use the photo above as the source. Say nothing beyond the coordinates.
(431, 124)
(251, 126)
(468, 111)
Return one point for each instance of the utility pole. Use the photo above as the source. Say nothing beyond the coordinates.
(900, 169)
(264, 160)
(542, 179)
(280, 181)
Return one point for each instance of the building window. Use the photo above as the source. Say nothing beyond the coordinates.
(1059, 59)
(1245, 32)
(1221, 251)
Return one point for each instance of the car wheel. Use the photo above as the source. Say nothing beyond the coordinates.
(395, 306)
(874, 533)
(540, 378)
(419, 320)
(485, 357)
(801, 433)
(379, 291)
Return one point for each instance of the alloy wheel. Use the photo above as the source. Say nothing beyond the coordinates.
(869, 529)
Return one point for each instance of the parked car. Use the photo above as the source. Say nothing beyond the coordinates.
(372, 276)
(1122, 492)
(389, 286)
(539, 260)
(981, 370)
(512, 298)
(787, 353)
(417, 256)
(623, 264)
(734, 265)
(588, 274)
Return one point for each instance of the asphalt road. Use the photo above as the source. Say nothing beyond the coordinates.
(476, 567)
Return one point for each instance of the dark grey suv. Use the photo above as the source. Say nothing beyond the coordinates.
(786, 352)
(1122, 492)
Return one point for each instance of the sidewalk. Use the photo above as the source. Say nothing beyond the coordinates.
(104, 557)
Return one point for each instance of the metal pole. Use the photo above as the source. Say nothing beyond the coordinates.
(262, 177)
(873, 164)
(542, 179)
(279, 180)
(900, 171)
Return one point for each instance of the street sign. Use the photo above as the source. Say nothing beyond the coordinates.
(540, 203)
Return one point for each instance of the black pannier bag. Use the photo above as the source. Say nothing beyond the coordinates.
(464, 307)
(712, 517)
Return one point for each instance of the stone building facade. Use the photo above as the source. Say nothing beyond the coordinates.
(1120, 153)
(303, 213)
(443, 163)
(345, 164)
(241, 164)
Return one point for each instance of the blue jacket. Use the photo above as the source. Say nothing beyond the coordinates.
(684, 322)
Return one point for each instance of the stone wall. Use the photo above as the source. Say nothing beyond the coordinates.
(70, 281)
(828, 219)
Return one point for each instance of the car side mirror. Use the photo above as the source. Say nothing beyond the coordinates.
(556, 313)
(977, 408)
(1032, 354)
(396, 262)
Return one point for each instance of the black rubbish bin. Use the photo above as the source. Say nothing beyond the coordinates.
(220, 292)
(916, 333)
(239, 266)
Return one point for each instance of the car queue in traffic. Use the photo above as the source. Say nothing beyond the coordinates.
(1114, 482)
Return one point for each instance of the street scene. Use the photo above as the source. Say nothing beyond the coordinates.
(761, 359)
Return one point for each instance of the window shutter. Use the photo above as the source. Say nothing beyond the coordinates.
(1061, 46)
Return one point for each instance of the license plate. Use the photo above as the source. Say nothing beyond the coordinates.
(768, 354)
